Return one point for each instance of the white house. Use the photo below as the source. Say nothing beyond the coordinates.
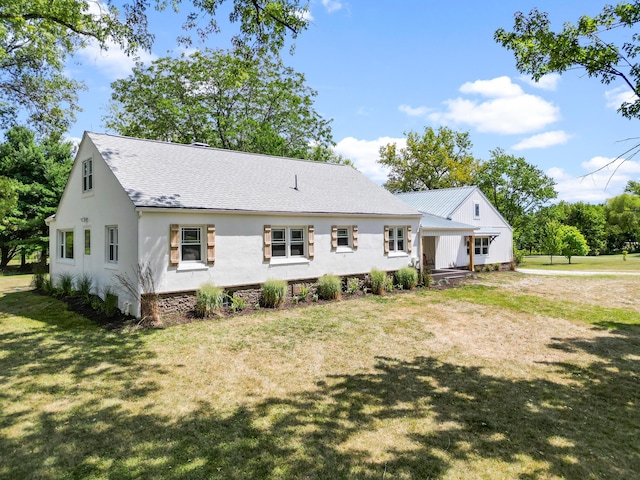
(460, 227)
(196, 214)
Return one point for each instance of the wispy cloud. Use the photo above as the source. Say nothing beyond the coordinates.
(508, 110)
(332, 5)
(543, 140)
(365, 154)
(113, 62)
(617, 96)
(414, 111)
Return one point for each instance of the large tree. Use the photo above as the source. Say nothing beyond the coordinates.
(436, 159)
(39, 172)
(228, 100)
(590, 220)
(586, 45)
(38, 37)
(573, 242)
(515, 187)
(623, 221)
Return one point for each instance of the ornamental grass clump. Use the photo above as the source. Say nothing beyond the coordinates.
(378, 280)
(273, 293)
(209, 298)
(329, 287)
(407, 277)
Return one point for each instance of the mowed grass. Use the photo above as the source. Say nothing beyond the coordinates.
(601, 263)
(477, 382)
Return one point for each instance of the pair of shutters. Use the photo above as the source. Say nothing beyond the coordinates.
(334, 237)
(386, 239)
(174, 242)
(267, 242)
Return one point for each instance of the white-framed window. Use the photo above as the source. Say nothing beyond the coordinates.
(191, 244)
(87, 241)
(397, 239)
(287, 242)
(343, 236)
(476, 210)
(481, 245)
(87, 175)
(112, 244)
(65, 244)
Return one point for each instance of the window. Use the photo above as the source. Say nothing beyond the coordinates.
(191, 244)
(287, 242)
(396, 239)
(87, 175)
(481, 245)
(112, 244)
(343, 236)
(87, 241)
(476, 210)
(65, 244)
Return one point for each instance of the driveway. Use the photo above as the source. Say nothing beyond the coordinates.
(534, 271)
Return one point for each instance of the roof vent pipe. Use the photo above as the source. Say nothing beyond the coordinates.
(296, 182)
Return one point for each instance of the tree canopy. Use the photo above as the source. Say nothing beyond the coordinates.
(227, 100)
(436, 159)
(39, 173)
(539, 50)
(37, 38)
(573, 242)
(514, 186)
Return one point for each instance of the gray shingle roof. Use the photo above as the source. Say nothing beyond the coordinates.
(171, 175)
(442, 202)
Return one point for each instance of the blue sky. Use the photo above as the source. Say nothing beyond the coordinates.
(384, 68)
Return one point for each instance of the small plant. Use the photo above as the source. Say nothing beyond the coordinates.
(377, 279)
(427, 279)
(315, 297)
(236, 304)
(302, 296)
(65, 282)
(47, 286)
(496, 267)
(407, 277)
(209, 298)
(85, 284)
(273, 293)
(388, 283)
(353, 285)
(110, 302)
(96, 305)
(329, 287)
(624, 255)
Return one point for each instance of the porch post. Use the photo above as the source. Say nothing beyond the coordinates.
(471, 252)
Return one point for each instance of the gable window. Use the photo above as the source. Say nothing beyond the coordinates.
(191, 244)
(87, 241)
(481, 245)
(476, 210)
(87, 175)
(112, 244)
(65, 244)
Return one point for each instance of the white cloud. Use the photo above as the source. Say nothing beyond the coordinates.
(543, 140)
(414, 111)
(495, 88)
(508, 111)
(603, 178)
(332, 5)
(113, 63)
(616, 97)
(548, 82)
(365, 154)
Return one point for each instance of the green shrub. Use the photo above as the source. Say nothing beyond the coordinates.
(39, 279)
(427, 279)
(329, 287)
(304, 293)
(377, 279)
(65, 283)
(110, 302)
(85, 284)
(237, 304)
(209, 298)
(273, 293)
(388, 283)
(353, 285)
(407, 277)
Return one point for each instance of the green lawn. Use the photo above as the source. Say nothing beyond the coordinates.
(601, 263)
(493, 380)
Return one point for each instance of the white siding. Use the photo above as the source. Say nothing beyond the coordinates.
(106, 204)
(239, 257)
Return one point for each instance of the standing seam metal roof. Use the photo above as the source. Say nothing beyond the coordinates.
(442, 202)
(171, 175)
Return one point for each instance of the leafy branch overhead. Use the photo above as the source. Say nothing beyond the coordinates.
(589, 45)
(37, 38)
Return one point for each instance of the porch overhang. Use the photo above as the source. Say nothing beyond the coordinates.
(435, 226)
